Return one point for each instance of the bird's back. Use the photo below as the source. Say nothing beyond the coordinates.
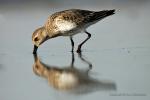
(82, 15)
(72, 19)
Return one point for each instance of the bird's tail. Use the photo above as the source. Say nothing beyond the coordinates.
(102, 14)
(107, 12)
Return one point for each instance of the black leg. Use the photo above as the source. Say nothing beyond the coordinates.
(79, 47)
(84, 60)
(72, 43)
(73, 59)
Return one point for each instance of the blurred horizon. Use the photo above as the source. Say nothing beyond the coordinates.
(131, 8)
(72, 3)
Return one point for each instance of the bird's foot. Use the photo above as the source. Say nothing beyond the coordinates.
(78, 51)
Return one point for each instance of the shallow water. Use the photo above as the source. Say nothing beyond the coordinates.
(119, 53)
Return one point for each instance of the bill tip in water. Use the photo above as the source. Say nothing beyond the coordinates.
(35, 49)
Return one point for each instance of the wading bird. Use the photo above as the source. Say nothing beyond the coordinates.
(68, 23)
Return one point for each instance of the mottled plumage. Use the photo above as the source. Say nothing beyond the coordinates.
(74, 20)
(69, 23)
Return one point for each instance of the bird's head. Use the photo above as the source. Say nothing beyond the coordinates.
(38, 37)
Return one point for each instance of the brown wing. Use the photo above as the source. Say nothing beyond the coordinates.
(71, 15)
(64, 21)
(76, 17)
(92, 16)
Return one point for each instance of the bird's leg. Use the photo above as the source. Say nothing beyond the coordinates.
(84, 60)
(72, 44)
(79, 47)
(73, 59)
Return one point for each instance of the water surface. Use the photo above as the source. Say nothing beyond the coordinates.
(119, 53)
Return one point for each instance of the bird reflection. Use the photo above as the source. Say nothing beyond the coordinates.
(70, 77)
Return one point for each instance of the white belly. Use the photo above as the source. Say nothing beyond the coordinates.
(72, 32)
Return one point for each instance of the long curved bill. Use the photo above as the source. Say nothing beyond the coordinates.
(35, 49)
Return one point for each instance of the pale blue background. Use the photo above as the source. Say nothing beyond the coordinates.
(119, 49)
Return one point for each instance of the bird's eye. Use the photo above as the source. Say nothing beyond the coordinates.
(36, 39)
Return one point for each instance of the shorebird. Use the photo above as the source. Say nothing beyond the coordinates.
(68, 23)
